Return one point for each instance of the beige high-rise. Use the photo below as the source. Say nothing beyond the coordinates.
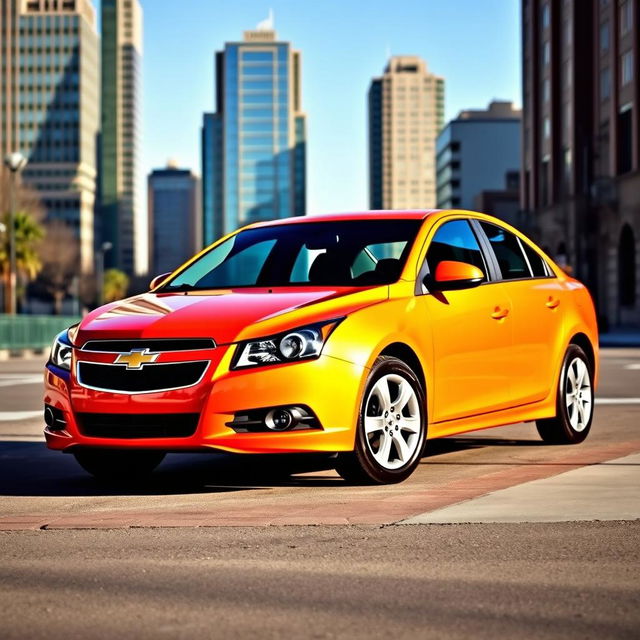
(50, 78)
(406, 113)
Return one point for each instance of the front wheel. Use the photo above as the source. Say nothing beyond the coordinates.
(574, 407)
(114, 465)
(391, 430)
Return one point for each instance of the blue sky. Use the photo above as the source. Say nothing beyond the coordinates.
(474, 44)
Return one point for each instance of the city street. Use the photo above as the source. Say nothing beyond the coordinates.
(555, 536)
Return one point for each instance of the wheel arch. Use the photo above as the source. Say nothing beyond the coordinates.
(582, 340)
(404, 352)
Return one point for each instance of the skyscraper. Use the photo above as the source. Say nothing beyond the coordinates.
(406, 113)
(253, 146)
(50, 106)
(122, 221)
(581, 143)
(174, 217)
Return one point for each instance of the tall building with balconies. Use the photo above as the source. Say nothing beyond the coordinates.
(475, 152)
(406, 113)
(50, 106)
(253, 146)
(122, 220)
(581, 143)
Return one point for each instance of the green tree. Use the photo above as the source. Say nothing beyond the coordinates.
(28, 234)
(116, 284)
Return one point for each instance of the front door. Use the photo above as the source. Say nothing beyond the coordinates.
(472, 333)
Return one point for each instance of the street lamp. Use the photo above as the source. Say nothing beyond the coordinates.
(15, 162)
(104, 247)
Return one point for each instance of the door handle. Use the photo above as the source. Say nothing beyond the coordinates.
(499, 314)
(552, 302)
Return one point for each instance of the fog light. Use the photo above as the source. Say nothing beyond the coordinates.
(54, 418)
(279, 420)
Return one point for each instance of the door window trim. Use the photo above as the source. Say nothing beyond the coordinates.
(493, 274)
(480, 231)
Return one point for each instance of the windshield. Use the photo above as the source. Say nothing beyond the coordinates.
(336, 253)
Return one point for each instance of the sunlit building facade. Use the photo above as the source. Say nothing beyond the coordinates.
(253, 147)
(406, 113)
(50, 105)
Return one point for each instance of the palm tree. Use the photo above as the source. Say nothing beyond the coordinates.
(28, 234)
(116, 284)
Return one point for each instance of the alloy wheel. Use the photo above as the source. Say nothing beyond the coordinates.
(578, 394)
(392, 421)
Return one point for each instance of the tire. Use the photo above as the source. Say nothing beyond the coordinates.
(388, 445)
(574, 406)
(118, 466)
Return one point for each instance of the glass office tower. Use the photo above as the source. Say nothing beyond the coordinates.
(253, 147)
(122, 219)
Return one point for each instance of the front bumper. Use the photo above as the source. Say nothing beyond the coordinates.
(329, 386)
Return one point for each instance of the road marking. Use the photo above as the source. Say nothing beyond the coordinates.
(633, 367)
(617, 400)
(16, 379)
(8, 416)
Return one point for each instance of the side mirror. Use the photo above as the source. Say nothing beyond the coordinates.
(158, 280)
(451, 275)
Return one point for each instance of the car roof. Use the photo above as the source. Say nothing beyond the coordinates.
(380, 214)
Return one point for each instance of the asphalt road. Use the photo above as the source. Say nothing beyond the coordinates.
(83, 560)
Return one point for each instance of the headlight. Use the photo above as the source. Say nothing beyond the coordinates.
(291, 346)
(61, 351)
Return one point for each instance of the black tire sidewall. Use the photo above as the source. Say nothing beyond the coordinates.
(383, 366)
(573, 352)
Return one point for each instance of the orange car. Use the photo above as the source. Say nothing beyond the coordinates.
(360, 335)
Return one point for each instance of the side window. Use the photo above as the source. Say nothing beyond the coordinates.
(506, 246)
(538, 266)
(455, 240)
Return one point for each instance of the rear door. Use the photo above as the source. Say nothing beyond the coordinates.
(536, 299)
(471, 330)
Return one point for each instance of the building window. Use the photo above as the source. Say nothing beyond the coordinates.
(627, 268)
(626, 68)
(546, 53)
(546, 90)
(566, 72)
(624, 139)
(626, 17)
(604, 36)
(605, 83)
(545, 16)
(546, 128)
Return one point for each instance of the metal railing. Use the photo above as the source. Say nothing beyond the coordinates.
(31, 332)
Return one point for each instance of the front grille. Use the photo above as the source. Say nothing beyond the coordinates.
(134, 425)
(150, 378)
(160, 344)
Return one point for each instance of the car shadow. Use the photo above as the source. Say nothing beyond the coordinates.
(30, 469)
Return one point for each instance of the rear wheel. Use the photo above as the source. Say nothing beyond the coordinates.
(574, 407)
(391, 428)
(113, 465)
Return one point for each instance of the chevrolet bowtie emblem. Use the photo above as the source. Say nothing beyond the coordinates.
(136, 358)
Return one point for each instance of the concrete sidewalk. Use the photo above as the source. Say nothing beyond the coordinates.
(606, 491)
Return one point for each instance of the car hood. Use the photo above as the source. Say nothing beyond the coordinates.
(226, 316)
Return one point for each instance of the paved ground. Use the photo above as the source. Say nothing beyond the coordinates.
(79, 559)
(466, 581)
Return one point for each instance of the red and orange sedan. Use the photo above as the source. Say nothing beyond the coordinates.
(361, 335)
